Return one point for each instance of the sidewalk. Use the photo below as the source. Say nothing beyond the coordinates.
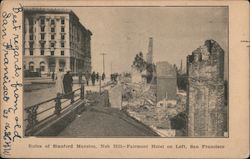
(99, 121)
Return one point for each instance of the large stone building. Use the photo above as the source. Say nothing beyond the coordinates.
(205, 92)
(53, 39)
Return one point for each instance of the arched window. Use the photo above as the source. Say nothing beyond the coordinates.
(31, 66)
(42, 66)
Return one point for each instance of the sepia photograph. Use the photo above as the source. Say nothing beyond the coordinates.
(125, 71)
(124, 79)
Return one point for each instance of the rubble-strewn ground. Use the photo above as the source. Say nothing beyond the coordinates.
(139, 101)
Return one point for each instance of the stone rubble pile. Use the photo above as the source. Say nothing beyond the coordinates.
(139, 101)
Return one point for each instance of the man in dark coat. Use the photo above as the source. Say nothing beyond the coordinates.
(68, 82)
(97, 76)
(87, 77)
(103, 76)
(93, 76)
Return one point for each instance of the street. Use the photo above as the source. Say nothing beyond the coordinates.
(99, 121)
(40, 95)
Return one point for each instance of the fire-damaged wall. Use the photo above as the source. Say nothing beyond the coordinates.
(205, 95)
(166, 81)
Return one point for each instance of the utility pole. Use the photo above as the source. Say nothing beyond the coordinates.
(103, 62)
(111, 67)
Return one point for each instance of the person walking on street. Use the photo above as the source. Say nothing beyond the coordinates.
(93, 76)
(87, 77)
(59, 82)
(97, 76)
(68, 83)
(103, 76)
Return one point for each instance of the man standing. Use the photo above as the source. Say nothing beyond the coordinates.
(97, 76)
(87, 77)
(93, 76)
(68, 83)
(59, 82)
(103, 76)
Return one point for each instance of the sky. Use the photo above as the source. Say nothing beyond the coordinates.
(122, 32)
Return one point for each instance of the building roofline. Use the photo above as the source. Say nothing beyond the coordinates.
(40, 10)
(50, 10)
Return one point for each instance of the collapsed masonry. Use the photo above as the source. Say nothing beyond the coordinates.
(205, 99)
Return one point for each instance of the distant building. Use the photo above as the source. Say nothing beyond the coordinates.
(166, 81)
(205, 92)
(53, 39)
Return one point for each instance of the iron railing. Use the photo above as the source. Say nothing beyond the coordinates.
(40, 112)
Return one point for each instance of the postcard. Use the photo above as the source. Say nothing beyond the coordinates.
(124, 79)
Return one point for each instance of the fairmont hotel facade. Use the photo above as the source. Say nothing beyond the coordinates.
(55, 39)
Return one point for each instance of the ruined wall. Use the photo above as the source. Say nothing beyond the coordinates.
(166, 81)
(205, 94)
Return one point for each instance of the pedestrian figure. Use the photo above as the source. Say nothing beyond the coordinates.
(115, 77)
(87, 77)
(68, 83)
(93, 76)
(103, 76)
(59, 82)
(97, 76)
(111, 77)
(53, 76)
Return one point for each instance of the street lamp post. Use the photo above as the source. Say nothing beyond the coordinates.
(103, 69)
(103, 62)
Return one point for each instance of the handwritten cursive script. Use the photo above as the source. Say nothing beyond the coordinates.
(11, 30)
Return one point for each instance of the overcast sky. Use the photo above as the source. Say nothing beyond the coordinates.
(122, 32)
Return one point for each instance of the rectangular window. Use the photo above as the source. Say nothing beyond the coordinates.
(62, 44)
(52, 21)
(31, 52)
(42, 45)
(62, 37)
(52, 53)
(52, 44)
(62, 29)
(42, 52)
(42, 28)
(31, 37)
(52, 37)
(31, 45)
(42, 68)
(62, 21)
(42, 36)
(52, 30)
(31, 29)
(62, 53)
(42, 21)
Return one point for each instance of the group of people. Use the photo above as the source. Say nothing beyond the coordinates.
(114, 77)
(64, 82)
(95, 77)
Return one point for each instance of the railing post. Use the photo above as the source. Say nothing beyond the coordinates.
(72, 97)
(58, 107)
(32, 116)
(82, 91)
